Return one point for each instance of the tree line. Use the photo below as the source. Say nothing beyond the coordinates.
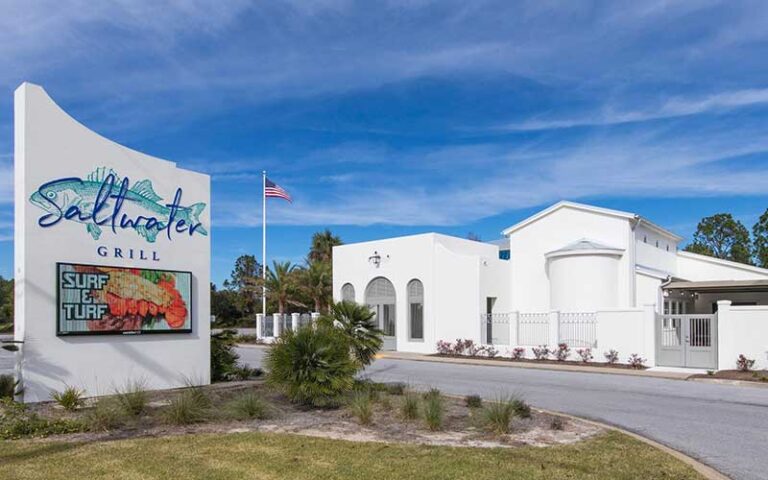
(306, 287)
(6, 302)
(722, 236)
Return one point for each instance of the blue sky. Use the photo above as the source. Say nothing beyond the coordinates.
(397, 117)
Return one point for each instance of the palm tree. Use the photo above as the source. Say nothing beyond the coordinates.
(357, 323)
(281, 283)
(317, 283)
(322, 246)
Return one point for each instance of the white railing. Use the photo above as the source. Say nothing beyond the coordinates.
(269, 327)
(533, 329)
(578, 329)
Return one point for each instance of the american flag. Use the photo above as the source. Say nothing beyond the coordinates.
(271, 189)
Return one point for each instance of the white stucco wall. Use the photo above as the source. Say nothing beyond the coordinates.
(742, 330)
(583, 283)
(698, 268)
(530, 282)
(648, 289)
(51, 145)
(457, 275)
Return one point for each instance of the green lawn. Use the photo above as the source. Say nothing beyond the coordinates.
(613, 456)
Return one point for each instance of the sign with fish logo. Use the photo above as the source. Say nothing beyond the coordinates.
(103, 200)
(94, 299)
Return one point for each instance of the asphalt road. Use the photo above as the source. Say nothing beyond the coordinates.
(723, 426)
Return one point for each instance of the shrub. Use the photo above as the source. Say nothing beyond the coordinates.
(397, 388)
(473, 401)
(491, 351)
(744, 364)
(7, 386)
(434, 411)
(521, 409)
(444, 348)
(462, 346)
(562, 353)
(557, 423)
(312, 365)
(498, 414)
(133, 398)
(410, 406)
(585, 354)
(191, 406)
(248, 406)
(247, 338)
(243, 372)
(223, 355)
(358, 324)
(611, 356)
(361, 406)
(636, 361)
(71, 398)
(541, 352)
(17, 422)
(106, 415)
(518, 353)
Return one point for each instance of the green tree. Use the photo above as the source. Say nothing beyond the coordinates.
(760, 236)
(722, 236)
(357, 323)
(245, 279)
(6, 300)
(281, 284)
(225, 306)
(316, 282)
(322, 246)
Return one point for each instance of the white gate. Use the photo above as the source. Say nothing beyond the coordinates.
(686, 341)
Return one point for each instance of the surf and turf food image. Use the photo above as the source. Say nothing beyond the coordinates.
(132, 300)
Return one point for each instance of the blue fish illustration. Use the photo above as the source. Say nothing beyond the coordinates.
(103, 200)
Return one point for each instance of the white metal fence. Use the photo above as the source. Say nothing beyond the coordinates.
(533, 329)
(578, 329)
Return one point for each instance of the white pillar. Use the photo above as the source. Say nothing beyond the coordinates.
(276, 327)
(313, 320)
(649, 334)
(554, 328)
(294, 321)
(514, 318)
(259, 325)
(726, 357)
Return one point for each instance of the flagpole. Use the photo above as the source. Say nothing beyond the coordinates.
(264, 243)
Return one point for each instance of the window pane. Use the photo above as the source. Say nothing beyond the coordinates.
(388, 322)
(417, 321)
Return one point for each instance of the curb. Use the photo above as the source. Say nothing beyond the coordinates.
(534, 366)
(725, 381)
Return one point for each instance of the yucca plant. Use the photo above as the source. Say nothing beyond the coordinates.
(357, 323)
(312, 365)
(70, 398)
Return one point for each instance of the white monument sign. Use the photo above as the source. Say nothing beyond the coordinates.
(112, 260)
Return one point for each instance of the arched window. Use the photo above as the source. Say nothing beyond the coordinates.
(347, 293)
(380, 297)
(415, 310)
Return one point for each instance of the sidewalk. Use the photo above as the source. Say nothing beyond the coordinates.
(568, 367)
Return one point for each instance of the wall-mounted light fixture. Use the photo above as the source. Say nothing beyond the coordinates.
(375, 259)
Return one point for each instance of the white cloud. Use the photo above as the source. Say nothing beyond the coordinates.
(670, 108)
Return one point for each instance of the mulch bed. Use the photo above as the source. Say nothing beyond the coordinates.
(621, 366)
(759, 376)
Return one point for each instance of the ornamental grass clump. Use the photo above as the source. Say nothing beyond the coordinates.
(248, 406)
(133, 398)
(361, 406)
(473, 401)
(410, 406)
(312, 366)
(498, 414)
(107, 414)
(434, 411)
(189, 407)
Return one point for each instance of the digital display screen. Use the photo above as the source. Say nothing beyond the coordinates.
(94, 299)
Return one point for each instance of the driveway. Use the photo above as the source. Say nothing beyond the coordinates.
(723, 426)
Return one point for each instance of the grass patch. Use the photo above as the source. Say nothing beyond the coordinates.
(612, 456)
(248, 406)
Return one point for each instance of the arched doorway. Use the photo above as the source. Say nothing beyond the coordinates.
(380, 297)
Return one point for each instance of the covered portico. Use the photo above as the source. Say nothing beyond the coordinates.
(683, 297)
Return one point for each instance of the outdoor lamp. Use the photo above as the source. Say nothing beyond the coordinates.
(375, 259)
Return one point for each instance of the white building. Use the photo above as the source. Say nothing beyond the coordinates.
(574, 263)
